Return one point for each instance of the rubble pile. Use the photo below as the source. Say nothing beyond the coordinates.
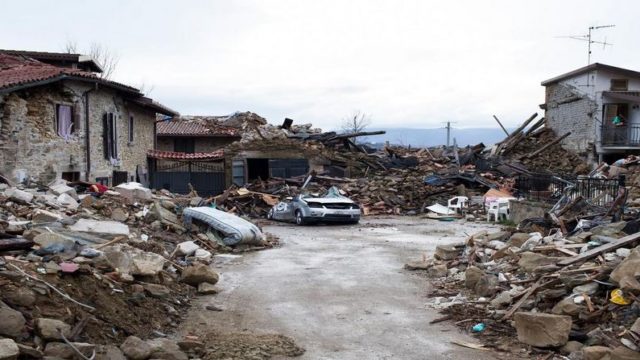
(554, 159)
(538, 291)
(84, 268)
(397, 180)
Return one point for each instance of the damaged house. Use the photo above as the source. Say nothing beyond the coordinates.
(60, 119)
(189, 153)
(210, 153)
(599, 105)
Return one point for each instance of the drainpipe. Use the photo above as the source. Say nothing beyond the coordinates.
(87, 132)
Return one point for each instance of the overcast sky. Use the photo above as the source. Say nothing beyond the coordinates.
(406, 63)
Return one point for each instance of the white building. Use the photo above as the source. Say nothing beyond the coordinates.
(585, 101)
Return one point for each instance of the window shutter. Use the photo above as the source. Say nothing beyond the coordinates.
(114, 134)
(105, 135)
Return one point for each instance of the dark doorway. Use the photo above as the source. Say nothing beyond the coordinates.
(257, 168)
(71, 176)
(120, 177)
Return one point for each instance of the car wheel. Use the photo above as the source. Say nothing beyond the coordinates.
(270, 214)
(299, 218)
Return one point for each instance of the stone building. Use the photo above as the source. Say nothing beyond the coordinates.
(189, 154)
(210, 153)
(59, 119)
(586, 102)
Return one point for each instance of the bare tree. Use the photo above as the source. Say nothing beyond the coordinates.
(105, 57)
(71, 47)
(356, 122)
(145, 89)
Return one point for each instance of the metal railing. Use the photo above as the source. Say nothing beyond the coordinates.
(549, 188)
(627, 135)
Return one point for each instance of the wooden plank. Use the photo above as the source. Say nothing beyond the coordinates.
(517, 305)
(556, 247)
(566, 252)
(534, 127)
(600, 250)
(524, 125)
(544, 148)
(499, 123)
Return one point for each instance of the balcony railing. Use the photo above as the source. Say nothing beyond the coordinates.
(549, 188)
(628, 135)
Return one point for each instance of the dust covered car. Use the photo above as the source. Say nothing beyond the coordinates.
(308, 209)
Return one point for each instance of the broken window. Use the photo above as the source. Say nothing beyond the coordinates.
(110, 136)
(619, 84)
(64, 121)
(130, 129)
(184, 145)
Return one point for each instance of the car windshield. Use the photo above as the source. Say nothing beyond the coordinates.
(332, 192)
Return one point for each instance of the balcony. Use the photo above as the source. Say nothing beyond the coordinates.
(621, 136)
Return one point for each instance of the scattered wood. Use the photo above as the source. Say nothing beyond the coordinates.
(590, 254)
(15, 244)
(544, 148)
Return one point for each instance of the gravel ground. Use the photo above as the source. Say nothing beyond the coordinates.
(339, 292)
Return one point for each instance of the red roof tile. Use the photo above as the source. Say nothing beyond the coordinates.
(17, 71)
(195, 126)
(170, 155)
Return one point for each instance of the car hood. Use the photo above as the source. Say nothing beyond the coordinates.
(330, 200)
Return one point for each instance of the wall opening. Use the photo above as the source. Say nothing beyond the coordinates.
(257, 168)
(71, 176)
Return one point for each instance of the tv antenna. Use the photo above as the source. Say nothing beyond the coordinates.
(589, 40)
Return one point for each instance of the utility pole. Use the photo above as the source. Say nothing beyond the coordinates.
(448, 132)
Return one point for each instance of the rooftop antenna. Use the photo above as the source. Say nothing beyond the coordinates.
(589, 40)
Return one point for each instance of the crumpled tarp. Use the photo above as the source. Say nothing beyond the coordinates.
(236, 230)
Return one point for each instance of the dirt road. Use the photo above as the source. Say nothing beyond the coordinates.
(339, 291)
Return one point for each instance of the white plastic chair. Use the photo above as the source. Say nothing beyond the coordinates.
(458, 203)
(499, 209)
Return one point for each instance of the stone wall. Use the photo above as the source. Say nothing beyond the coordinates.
(567, 110)
(31, 148)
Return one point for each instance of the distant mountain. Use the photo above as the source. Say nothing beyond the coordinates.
(435, 137)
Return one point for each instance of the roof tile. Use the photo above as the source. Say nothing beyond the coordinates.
(171, 155)
(195, 127)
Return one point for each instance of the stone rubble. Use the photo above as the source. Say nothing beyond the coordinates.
(116, 263)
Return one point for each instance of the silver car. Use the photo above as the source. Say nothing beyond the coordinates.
(306, 209)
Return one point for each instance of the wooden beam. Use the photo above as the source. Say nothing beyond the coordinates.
(499, 123)
(362, 133)
(600, 250)
(524, 125)
(534, 127)
(542, 149)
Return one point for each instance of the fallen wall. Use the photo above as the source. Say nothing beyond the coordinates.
(524, 209)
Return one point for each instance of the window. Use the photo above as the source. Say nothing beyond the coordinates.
(71, 176)
(619, 84)
(130, 129)
(184, 145)
(110, 136)
(102, 181)
(64, 121)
